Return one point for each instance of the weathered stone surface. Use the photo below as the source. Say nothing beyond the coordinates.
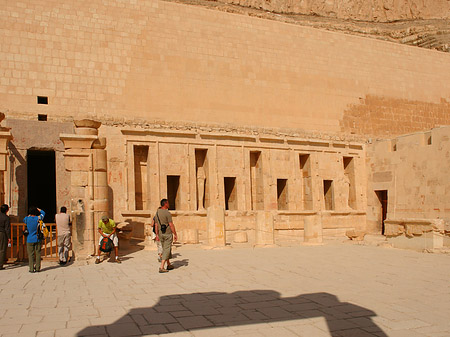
(355, 235)
(79, 178)
(382, 177)
(189, 236)
(240, 237)
(80, 163)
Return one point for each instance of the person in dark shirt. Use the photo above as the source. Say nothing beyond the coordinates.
(5, 233)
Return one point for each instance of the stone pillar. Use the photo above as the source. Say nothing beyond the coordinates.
(85, 159)
(313, 229)
(100, 180)
(216, 226)
(5, 137)
(264, 230)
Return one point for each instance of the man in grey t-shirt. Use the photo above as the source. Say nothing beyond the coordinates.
(63, 224)
(166, 233)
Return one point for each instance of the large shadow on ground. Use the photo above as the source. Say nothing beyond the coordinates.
(186, 312)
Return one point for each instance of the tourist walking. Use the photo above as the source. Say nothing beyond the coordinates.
(63, 223)
(107, 229)
(33, 243)
(166, 233)
(5, 233)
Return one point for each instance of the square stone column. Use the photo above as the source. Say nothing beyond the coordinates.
(216, 226)
(313, 232)
(86, 159)
(264, 230)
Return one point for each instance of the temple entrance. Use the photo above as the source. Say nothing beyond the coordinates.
(383, 198)
(41, 182)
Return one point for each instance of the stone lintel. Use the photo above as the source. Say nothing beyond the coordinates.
(338, 213)
(415, 221)
(297, 141)
(228, 136)
(296, 212)
(355, 146)
(271, 139)
(159, 133)
(306, 142)
(76, 154)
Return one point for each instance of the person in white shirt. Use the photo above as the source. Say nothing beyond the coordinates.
(63, 224)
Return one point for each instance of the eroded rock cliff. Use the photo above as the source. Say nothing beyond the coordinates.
(422, 23)
(361, 10)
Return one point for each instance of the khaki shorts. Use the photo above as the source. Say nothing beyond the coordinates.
(113, 237)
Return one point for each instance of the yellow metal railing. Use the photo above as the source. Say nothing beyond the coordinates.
(18, 249)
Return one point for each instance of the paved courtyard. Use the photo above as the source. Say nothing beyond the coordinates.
(331, 290)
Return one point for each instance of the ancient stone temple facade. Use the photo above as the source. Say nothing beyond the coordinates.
(258, 132)
(299, 180)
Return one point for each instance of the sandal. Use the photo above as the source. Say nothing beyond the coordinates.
(163, 270)
(170, 267)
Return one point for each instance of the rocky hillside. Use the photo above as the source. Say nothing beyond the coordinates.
(360, 10)
(423, 23)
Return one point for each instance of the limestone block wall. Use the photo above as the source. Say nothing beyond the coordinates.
(153, 60)
(413, 169)
(237, 223)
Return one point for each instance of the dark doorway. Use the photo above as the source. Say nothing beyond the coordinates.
(173, 184)
(41, 182)
(282, 194)
(383, 198)
(230, 193)
(328, 194)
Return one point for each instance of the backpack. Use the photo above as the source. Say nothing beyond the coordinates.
(42, 231)
(106, 245)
